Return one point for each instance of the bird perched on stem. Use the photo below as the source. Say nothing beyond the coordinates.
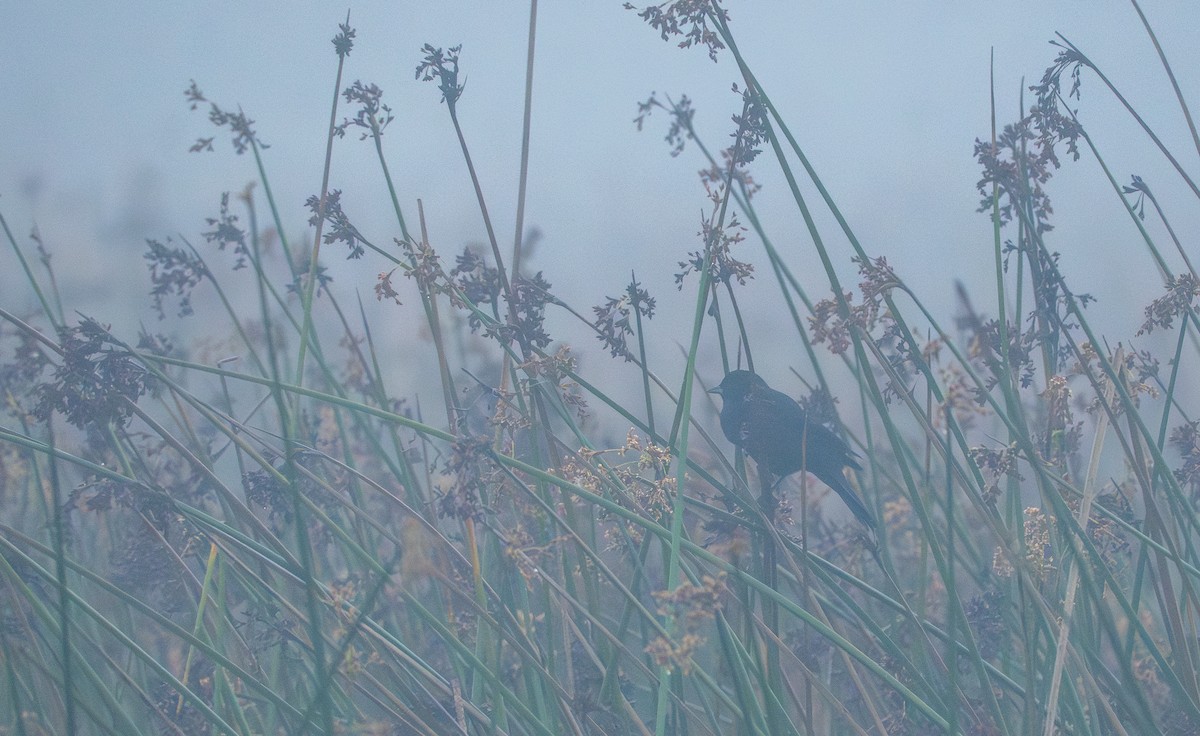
(774, 430)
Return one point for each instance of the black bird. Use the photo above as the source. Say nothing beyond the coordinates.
(772, 428)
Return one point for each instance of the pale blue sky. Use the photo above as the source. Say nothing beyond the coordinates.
(887, 98)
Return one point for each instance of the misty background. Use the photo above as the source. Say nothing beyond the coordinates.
(886, 99)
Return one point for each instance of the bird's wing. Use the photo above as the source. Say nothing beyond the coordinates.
(832, 446)
(789, 427)
(772, 429)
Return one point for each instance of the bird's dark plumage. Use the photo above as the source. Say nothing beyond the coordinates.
(774, 430)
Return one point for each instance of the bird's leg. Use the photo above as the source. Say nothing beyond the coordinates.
(768, 501)
(769, 504)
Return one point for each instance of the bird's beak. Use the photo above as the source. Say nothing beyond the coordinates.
(715, 390)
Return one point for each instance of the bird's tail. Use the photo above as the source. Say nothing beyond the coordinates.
(842, 487)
